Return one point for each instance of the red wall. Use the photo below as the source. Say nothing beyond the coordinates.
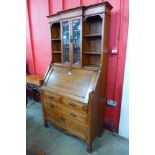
(38, 44)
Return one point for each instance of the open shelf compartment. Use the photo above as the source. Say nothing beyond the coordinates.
(56, 43)
(92, 42)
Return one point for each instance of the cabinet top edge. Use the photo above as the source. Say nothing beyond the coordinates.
(106, 3)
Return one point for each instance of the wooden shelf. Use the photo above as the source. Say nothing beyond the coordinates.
(57, 64)
(92, 53)
(56, 39)
(92, 67)
(93, 35)
(58, 52)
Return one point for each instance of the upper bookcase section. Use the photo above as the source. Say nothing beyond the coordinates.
(80, 36)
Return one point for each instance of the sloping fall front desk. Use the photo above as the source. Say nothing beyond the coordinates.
(71, 102)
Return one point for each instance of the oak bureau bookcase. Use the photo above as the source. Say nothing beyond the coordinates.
(73, 93)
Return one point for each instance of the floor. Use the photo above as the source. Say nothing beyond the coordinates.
(53, 142)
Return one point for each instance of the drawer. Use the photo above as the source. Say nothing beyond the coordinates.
(51, 97)
(53, 107)
(57, 119)
(74, 104)
(67, 124)
(77, 129)
(77, 116)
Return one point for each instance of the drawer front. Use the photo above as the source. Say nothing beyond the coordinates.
(64, 122)
(53, 107)
(73, 104)
(51, 97)
(77, 129)
(57, 119)
(76, 116)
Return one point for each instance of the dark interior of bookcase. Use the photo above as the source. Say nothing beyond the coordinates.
(56, 42)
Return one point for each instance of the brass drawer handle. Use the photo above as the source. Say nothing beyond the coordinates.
(73, 115)
(63, 119)
(52, 106)
(51, 97)
(72, 104)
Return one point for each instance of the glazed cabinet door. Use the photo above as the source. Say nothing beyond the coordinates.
(65, 31)
(76, 40)
(71, 36)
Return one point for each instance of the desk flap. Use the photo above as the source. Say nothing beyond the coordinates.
(77, 83)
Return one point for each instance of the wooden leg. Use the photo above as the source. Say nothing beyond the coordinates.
(26, 101)
(101, 132)
(45, 123)
(89, 147)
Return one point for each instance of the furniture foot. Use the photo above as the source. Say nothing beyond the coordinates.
(45, 123)
(100, 134)
(26, 101)
(89, 148)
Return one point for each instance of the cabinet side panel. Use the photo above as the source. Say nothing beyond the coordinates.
(97, 99)
(104, 60)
